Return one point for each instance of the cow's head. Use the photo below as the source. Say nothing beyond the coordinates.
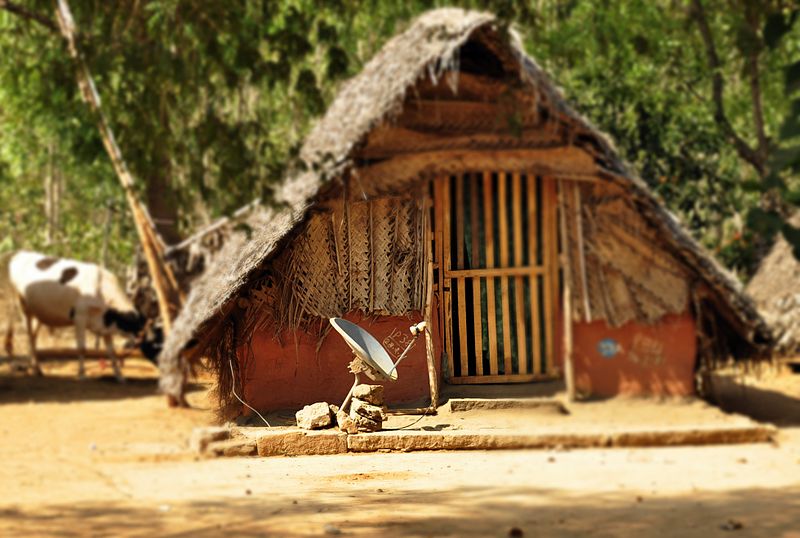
(152, 342)
(149, 338)
(130, 323)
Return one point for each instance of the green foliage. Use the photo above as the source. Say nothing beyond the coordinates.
(640, 71)
(784, 164)
(210, 101)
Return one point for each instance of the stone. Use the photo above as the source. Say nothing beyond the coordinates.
(314, 416)
(364, 424)
(201, 437)
(372, 394)
(291, 442)
(232, 447)
(372, 412)
(346, 424)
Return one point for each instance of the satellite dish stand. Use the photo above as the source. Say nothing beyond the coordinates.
(370, 357)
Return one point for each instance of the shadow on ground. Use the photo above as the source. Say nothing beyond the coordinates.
(368, 511)
(734, 395)
(20, 388)
(541, 389)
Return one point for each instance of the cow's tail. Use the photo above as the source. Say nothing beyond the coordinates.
(11, 301)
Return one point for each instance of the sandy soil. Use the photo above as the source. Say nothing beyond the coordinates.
(95, 458)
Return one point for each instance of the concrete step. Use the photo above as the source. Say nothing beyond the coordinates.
(295, 442)
(458, 405)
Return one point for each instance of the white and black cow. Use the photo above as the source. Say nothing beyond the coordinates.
(60, 292)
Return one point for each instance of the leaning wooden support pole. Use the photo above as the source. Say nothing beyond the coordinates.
(163, 280)
(569, 372)
(433, 379)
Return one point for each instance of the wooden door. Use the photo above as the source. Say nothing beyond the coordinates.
(498, 254)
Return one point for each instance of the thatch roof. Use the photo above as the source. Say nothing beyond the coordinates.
(427, 49)
(776, 291)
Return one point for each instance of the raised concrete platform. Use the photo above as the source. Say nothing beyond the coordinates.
(294, 442)
(516, 422)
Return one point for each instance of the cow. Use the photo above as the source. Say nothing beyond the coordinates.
(61, 292)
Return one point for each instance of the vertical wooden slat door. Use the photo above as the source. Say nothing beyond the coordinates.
(500, 275)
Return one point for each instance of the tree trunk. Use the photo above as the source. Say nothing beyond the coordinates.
(49, 197)
(163, 207)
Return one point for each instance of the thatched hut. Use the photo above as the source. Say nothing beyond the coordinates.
(450, 181)
(776, 290)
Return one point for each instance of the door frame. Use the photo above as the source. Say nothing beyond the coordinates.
(543, 274)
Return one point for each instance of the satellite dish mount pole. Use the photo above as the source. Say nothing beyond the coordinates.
(356, 366)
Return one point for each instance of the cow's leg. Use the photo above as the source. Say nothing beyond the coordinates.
(80, 339)
(35, 368)
(109, 340)
(37, 325)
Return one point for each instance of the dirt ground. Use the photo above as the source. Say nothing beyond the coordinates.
(95, 458)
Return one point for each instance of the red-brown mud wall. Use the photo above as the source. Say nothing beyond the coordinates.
(289, 372)
(631, 360)
(636, 359)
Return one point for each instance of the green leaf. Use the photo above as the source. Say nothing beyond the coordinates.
(792, 197)
(774, 181)
(792, 236)
(337, 63)
(777, 26)
(765, 223)
(792, 77)
(752, 185)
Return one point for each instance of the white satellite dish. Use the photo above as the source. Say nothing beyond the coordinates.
(366, 348)
(371, 357)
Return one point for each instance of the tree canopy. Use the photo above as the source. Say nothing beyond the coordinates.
(210, 101)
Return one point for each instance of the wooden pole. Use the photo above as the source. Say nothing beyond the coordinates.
(107, 232)
(587, 311)
(433, 379)
(163, 279)
(569, 372)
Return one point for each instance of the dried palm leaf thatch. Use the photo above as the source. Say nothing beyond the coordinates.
(629, 271)
(358, 225)
(776, 290)
(323, 274)
(226, 370)
(211, 295)
(307, 275)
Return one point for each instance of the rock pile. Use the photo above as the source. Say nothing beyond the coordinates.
(314, 416)
(367, 410)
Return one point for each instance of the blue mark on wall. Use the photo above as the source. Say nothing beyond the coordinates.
(608, 348)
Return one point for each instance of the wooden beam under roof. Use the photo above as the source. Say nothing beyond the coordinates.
(567, 162)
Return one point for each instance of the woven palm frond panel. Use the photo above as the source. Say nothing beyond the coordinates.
(628, 273)
(362, 255)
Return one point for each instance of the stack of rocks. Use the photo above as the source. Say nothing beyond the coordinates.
(367, 410)
(315, 416)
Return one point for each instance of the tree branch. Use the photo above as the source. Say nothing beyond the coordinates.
(28, 14)
(758, 111)
(751, 63)
(718, 89)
